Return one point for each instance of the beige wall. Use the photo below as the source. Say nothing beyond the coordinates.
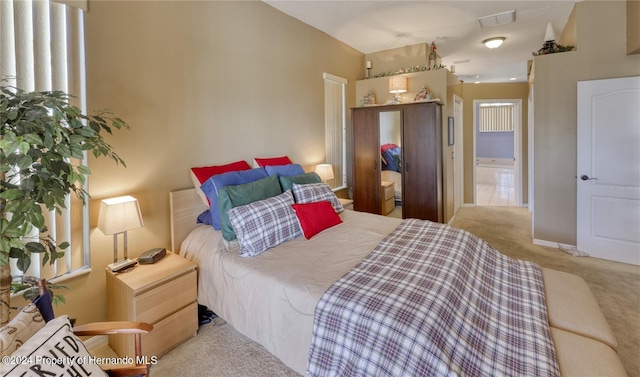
(598, 56)
(511, 91)
(200, 83)
(633, 27)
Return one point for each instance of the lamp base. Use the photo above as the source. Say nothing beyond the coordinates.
(121, 265)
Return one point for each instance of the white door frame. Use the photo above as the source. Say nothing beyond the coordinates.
(458, 150)
(517, 147)
(530, 169)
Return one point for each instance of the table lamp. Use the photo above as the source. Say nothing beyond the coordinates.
(397, 85)
(117, 216)
(325, 171)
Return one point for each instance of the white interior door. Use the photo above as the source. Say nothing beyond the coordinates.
(608, 185)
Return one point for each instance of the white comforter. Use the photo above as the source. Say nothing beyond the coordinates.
(271, 298)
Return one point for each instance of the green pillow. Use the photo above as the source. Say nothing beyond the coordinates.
(286, 183)
(237, 195)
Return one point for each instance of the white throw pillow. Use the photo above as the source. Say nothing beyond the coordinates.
(53, 351)
(22, 327)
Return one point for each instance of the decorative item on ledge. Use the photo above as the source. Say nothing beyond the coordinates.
(549, 45)
(423, 95)
(433, 56)
(417, 68)
(368, 100)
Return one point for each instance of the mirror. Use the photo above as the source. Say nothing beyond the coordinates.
(391, 161)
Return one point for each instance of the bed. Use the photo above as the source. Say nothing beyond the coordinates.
(272, 298)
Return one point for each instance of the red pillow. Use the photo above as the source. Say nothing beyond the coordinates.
(284, 160)
(315, 217)
(206, 172)
(200, 175)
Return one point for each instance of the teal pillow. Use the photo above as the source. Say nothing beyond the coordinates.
(286, 183)
(237, 195)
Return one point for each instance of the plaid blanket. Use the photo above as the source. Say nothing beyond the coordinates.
(432, 300)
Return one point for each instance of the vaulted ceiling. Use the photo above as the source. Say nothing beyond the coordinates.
(371, 26)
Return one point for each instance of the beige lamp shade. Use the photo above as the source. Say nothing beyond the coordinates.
(397, 84)
(119, 214)
(325, 171)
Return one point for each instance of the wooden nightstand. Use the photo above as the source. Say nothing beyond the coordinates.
(346, 203)
(163, 294)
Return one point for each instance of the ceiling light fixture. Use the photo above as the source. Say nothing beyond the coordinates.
(494, 42)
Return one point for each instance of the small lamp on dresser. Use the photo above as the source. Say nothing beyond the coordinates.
(117, 216)
(397, 85)
(325, 171)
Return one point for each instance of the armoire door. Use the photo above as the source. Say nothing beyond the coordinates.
(422, 162)
(366, 164)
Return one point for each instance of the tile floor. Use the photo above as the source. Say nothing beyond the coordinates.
(495, 186)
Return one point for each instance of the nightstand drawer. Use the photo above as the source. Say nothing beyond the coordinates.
(171, 331)
(153, 305)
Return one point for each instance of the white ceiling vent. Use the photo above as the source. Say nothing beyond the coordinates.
(498, 19)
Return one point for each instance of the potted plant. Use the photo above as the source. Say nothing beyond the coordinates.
(43, 140)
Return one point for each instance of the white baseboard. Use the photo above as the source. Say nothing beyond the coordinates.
(555, 245)
(569, 249)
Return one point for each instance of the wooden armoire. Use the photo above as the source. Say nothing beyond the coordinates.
(421, 154)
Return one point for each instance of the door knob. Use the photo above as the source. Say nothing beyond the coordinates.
(585, 177)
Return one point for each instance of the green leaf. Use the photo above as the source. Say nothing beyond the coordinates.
(35, 247)
(11, 194)
(23, 147)
(86, 132)
(63, 245)
(33, 139)
(64, 150)
(23, 262)
(37, 220)
(83, 169)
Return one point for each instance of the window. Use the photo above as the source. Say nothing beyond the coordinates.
(42, 48)
(496, 117)
(335, 129)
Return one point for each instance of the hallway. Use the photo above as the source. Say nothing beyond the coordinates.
(495, 186)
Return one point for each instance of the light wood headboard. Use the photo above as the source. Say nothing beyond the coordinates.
(185, 206)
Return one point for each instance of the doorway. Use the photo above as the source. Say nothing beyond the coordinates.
(497, 152)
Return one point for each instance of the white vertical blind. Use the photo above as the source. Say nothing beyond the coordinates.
(496, 117)
(335, 128)
(42, 49)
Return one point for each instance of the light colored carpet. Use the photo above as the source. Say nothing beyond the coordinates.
(221, 351)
